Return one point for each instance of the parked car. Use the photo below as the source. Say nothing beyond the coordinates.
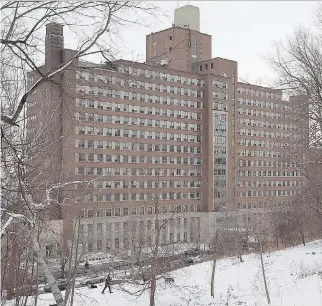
(192, 252)
(62, 285)
(92, 280)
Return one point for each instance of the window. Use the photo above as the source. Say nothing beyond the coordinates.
(99, 246)
(171, 237)
(170, 37)
(117, 243)
(117, 211)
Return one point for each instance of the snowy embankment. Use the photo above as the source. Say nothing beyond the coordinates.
(294, 278)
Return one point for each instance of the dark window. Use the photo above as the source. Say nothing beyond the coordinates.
(170, 37)
(211, 65)
(170, 49)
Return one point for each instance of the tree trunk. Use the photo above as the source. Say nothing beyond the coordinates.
(276, 238)
(302, 237)
(63, 264)
(212, 281)
(152, 290)
(44, 267)
(154, 266)
(263, 271)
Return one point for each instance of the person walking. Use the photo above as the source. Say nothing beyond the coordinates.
(108, 282)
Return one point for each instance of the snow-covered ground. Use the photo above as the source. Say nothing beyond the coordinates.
(294, 279)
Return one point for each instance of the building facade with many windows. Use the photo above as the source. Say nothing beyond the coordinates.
(177, 136)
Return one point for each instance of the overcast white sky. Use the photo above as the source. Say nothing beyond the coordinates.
(243, 31)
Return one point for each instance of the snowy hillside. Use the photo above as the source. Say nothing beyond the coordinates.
(294, 279)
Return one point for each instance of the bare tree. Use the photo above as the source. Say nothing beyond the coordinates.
(93, 23)
(298, 63)
(153, 258)
(259, 235)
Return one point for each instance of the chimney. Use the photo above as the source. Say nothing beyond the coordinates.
(54, 44)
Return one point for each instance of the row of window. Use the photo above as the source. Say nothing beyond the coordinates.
(261, 153)
(116, 197)
(261, 133)
(259, 103)
(258, 143)
(266, 193)
(219, 194)
(219, 172)
(257, 113)
(146, 147)
(269, 173)
(140, 79)
(259, 93)
(125, 211)
(125, 242)
(129, 230)
(219, 140)
(260, 205)
(220, 106)
(141, 184)
(264, 163)
(220, 149)
(219, 84)
(162, 76)
(222, 128)
(220, 161)
(266, 124)
(138, 121)
(126, 227)
(220, 95)
(133, 159)
(138, 134)
(219, 183)
(129, 95)
(273, 183)
(119, 107)
(125, 171)
(218, 117)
